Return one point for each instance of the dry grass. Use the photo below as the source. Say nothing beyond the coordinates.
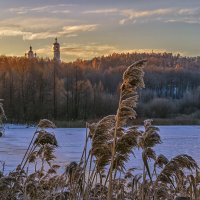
(102, 173)
(2, 117)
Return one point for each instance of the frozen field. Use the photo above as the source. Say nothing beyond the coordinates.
(176, 140)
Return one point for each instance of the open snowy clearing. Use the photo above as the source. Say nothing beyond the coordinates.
(176, 140)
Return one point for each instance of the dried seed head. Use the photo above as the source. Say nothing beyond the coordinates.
(132, 81)
(2, 112)
(175, 165)
(32, 157)
(46, 138)
(147, 123)
(45, 123)
(161, 160)
(31, 189)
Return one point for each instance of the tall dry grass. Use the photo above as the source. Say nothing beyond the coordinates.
(2, 117)
(102, 170)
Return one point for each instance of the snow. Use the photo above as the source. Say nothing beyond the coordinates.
(176, 140)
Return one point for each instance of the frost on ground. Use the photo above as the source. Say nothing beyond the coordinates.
(176, 140)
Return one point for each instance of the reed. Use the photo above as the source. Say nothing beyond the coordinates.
(2, 118)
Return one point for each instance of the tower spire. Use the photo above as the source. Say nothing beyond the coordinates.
(56, 50)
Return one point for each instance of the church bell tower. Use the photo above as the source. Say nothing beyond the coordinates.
(56, 51)
(30, 54)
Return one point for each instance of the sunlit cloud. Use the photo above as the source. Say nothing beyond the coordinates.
(12, 32)
(37, 23)
(83, 51)
(66, 31)
(5, 32)
(72, 51)
(102, 11)
(79, 28)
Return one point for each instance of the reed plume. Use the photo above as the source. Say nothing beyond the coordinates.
(132, 81)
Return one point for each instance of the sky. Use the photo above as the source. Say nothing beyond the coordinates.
(90, 28)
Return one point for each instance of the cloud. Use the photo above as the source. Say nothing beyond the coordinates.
(79, 28)
(183, 15)
(45, 35)
(37, 23)
(66, 31)
(102, 11)
(12, 32)
(42, 35)
(38, 27)
(189, 11)
(186, 15)
(133, 15)
(184, 20)
(83, 51)
(60, 8)
(60, 11)
(19, 10)
(5, 32)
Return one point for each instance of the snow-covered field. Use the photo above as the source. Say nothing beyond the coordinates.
(176, 140)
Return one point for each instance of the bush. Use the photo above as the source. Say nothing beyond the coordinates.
(159, 108)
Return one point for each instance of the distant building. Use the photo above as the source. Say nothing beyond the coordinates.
(56, 51)
(30, 54)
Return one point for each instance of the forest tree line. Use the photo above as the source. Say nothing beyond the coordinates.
(89, 89)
